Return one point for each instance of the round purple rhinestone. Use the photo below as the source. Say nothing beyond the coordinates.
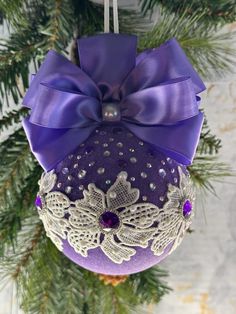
(109, 220)
(38, 202)
(187, 208)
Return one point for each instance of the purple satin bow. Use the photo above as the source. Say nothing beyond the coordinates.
(155, 93)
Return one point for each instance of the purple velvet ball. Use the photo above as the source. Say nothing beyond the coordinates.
(109, 151)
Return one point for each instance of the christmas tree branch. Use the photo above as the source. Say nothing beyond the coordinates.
(211, 53)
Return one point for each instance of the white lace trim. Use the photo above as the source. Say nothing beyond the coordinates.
(139, 223)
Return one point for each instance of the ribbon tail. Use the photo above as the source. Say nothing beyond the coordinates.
(50, 146)
(177, 141)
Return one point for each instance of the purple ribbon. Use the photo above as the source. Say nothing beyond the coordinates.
(155, 93)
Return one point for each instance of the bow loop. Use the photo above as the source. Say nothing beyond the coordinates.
(154, 97)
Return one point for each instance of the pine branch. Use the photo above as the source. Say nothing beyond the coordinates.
(59, 29)
(211, 53)
(17, 165)
(209, 143)
(205, 170)
(216, 11)
(12, 119)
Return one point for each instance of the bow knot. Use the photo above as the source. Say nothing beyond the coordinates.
(154, 95)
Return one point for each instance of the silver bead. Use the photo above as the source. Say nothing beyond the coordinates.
(59, 185)
(152, 186)
(65, 170)
(107, 153)
(108, 182)
(121, 153)
(101, 170)
(169, 160)
(144, 198)
(141, 143)
(119, 144)
(123, 175)
(110, 112)
(75, 166)
(132, 179)
(148, 165)
(172, 170)
(163, 162)
(162, 173)
(175, 180)
(69, 178)
(79, 157)
(68, 189)
(133, 160)
(161, 198)
(143, 175)
(132, 150)
(92, 163)
(81, 187)
(112, 195)
(82, 174)
(70, 156)
(105, 145)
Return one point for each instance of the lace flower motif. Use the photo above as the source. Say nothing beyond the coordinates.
(113, 220)
(175, 217)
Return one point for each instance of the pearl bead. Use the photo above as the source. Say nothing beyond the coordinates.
(110, 112)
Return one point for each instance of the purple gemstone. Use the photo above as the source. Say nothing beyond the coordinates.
(109, 220)
(38, 202)
(187, 208)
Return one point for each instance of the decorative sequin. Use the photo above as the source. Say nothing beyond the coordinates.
(143, 175)
(82, 174)
(69, 178)
(133, 160)
(108, 182)
(113, 195)
(107, 153)
(172, 170)
(68, 189)
(59, 184)
(92, 163)
(101, 170)
(75, 166)
(144, 198)
(162, 173)
(132, 179)
(148, 165)
(119, 144)
(79, 157)
(65, 170)
(152, 186)
(132, 150)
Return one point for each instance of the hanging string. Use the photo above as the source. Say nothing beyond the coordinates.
(107, 16)
(115, 16)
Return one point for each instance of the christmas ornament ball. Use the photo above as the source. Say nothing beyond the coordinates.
(116, 205)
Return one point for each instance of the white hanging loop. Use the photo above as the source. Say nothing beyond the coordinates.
(107, 16)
